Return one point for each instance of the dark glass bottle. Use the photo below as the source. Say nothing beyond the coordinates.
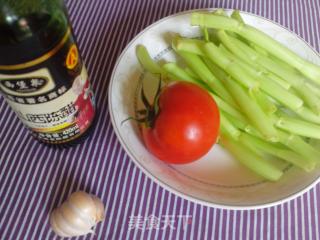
(42, 76)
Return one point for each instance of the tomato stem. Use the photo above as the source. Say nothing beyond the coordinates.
(151, 109)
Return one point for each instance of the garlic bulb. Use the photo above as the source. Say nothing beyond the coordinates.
(77, 215)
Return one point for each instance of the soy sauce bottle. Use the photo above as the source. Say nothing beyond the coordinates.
(42, 75)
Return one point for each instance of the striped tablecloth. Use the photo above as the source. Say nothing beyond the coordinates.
(34, 179)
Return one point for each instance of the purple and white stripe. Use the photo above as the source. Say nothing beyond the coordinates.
(34, 179)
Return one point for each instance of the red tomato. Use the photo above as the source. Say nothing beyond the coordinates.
(186, 126)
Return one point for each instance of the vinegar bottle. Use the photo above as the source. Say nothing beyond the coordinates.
(42, 75)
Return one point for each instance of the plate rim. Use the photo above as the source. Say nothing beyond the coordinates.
(155, 178)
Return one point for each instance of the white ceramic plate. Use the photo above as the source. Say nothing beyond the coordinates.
(217, 179)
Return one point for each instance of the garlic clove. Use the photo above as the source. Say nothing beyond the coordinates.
(99, 208)
(86, 216)
(73, 217)
(67, 228)
(84, 203)
(77, 215)
(56, 228)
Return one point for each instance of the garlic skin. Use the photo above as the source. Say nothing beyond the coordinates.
(77, 215)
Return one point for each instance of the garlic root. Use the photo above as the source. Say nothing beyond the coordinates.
(77, 215)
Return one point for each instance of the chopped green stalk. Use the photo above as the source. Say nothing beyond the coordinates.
(236, 70)
(241, 50)
(240, 58)
(171, 77)
(310, 98)
(259, 49)
(279, 93)
(261, 39)
(254, 132)
(220, 12)
(308, 115)
(178, 72)
(252, 110)
(282, 70)
(284, 154)
(298, 145)
(189, 45)
(218, 72)
(205, 34)
(191, 73)
(250, 159)
(214, 21)
(147, 62)
(195, 46)
(278, 67)
(315, 143)
(228, 108)
(266, 105)
(241, 54)
(315, 90)
(238, 123)
(251, 66)
(213, 36)
(196, 64)
(219, 58)
(228, 128)
(237, 16)
(243, 125)
(278, 80)
(199, 67)
(285, 98)
(299, 127)
(294, 142)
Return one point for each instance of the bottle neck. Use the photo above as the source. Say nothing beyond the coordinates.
(26, 34)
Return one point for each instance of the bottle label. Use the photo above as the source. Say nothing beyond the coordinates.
(54, 114)
(55, 111)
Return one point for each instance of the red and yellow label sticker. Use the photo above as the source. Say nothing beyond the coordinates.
(72, 57)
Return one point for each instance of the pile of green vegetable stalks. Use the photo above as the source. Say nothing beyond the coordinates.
(269, 97)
